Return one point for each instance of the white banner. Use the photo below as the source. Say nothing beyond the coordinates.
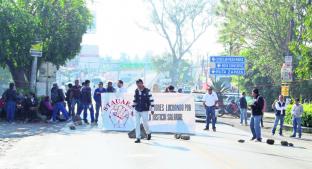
(174, 113)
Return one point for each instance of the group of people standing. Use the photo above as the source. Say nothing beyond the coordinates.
(79, 99)
(210, 101)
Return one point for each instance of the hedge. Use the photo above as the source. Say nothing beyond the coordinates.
(306, 117)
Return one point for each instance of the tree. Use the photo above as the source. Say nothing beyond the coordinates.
(301, 46)
(59, 24)
(181, 23)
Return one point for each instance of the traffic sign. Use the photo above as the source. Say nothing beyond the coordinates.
(35, 53)
(285, 90)
(230, 65)
(222, 59)
(216, 71)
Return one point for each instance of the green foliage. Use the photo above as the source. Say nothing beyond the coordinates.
(220, 88)
(306, 116)
(58, 24)
(301, 47)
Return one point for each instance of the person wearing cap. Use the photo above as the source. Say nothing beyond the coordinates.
(143, 103)
(256, 115)
(297, 111)
(210, 101)
(97, 99)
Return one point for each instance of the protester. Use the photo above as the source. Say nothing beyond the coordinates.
(110, 88)
(280, 108)
(97, 99)
(86, 101)
(10, 97)
(243, 109)
(58, 99)
(45, 109)
(143, 103)
(31, 107)
(210, 101)
(297, 111)
(121, 89)
(256, 115)
(75, 96)
(69, 98)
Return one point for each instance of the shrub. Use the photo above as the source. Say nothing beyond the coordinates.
(306, 117)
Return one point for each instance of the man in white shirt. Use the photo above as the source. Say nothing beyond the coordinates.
(280, 109)
(121, 89)
(210, 101)
(297, 111)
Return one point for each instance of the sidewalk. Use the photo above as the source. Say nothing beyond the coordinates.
(270, 116)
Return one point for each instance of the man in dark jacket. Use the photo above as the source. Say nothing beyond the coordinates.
(75, 98)
(143, 103)
(97, 99)
(110, 88)
(243, 108)
(10, 97)
(58, 99)
(69, 98)
(86, 102)
(256, 111)
(31, 106)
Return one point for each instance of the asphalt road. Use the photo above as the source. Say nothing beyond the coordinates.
(90, 147)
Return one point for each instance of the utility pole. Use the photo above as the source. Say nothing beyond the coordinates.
(35, 51)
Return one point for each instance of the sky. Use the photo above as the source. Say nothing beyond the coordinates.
(118, 31)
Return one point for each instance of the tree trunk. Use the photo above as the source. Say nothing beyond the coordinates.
(18, 75)
(174, 72)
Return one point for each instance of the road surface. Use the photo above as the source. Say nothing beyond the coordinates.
(90, 147)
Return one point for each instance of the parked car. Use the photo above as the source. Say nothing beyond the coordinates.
(200, 111)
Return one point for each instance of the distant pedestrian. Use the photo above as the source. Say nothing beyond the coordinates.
(58, 99)
(256, 115)
(110, 88)
(86, 101)
(69, 98)
(97, 98)
(210, 101)
(280, 109)
(31, 107)
(121, 89)
(10, 98)
(143, 103)
(243, 109)
(75, 98)
(297, 111)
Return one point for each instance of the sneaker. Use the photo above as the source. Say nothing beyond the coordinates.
(137, 141)
(253, 138)
(214, 129)
(207, 128)
(93, 124)
(292, 136)
(149, 136)
(299, 136)
(86, 121)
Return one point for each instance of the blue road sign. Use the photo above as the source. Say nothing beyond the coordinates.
(222, 59)
(216, 71)
(230, 65)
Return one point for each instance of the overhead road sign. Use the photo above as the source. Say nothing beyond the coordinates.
(216, 71)
(227, 59)
(230, 65)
